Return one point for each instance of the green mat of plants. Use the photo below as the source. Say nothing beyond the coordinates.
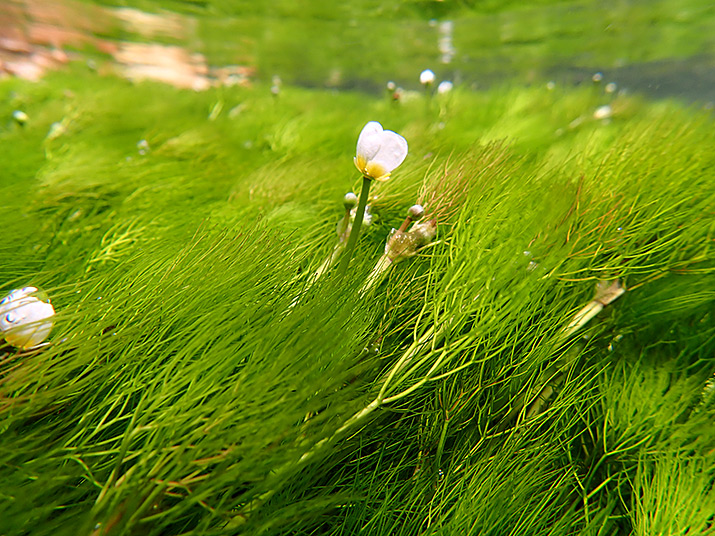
(200, 380)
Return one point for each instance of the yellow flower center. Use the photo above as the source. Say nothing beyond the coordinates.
(372, 170)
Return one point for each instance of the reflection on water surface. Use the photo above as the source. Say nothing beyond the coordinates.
(661, 48)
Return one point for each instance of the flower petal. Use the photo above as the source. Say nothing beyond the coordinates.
(392, 151)
(369, 141)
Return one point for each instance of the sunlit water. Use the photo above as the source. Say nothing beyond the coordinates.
(658, 48)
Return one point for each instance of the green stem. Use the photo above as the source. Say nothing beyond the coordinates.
(359, 213)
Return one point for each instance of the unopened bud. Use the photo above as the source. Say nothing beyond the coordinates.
(350, 201)
(424, 233)
(445, 86)
(20, 117)
(427, 77)
(416, 212)
(403, 245)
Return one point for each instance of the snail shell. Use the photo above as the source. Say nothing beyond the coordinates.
(25, 317)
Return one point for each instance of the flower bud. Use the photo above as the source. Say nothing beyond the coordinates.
(20, 117)
(603, 112)
(403, 245)
(445, 86)
(350, 201)
(415, 212)
(424, 233)
(427, 77)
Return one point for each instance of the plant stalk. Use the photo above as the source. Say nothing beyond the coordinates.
(357, 224)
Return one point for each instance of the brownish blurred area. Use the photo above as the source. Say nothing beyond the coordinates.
(41, 35)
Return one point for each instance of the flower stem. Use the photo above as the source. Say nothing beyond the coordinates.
(357, 224)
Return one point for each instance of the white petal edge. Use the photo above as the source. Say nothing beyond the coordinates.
(392, 150)
(368, 143)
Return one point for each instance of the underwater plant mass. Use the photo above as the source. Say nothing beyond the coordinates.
(522, 342)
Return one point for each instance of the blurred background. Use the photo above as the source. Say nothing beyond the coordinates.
(662, 48)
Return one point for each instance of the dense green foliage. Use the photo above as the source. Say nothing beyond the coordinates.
(186, 391)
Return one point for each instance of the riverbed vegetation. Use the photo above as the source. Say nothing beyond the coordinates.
(199, 380)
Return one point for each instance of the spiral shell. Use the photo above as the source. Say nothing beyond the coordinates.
(26, 317)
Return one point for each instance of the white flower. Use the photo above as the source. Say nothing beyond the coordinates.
(25, 319)
(426, 77)
(444, 86)
(603, 112)
(379, 151)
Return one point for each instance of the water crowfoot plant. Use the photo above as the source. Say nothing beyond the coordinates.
(427, 78)
(178, 402)
(379, 152)
(402, 244)
(606, 293)
(343, 229)
(414, 213)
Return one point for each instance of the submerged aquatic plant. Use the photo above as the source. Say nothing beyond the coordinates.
(379, 152)
(343, 229)
(402, 244)
(189, 397)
